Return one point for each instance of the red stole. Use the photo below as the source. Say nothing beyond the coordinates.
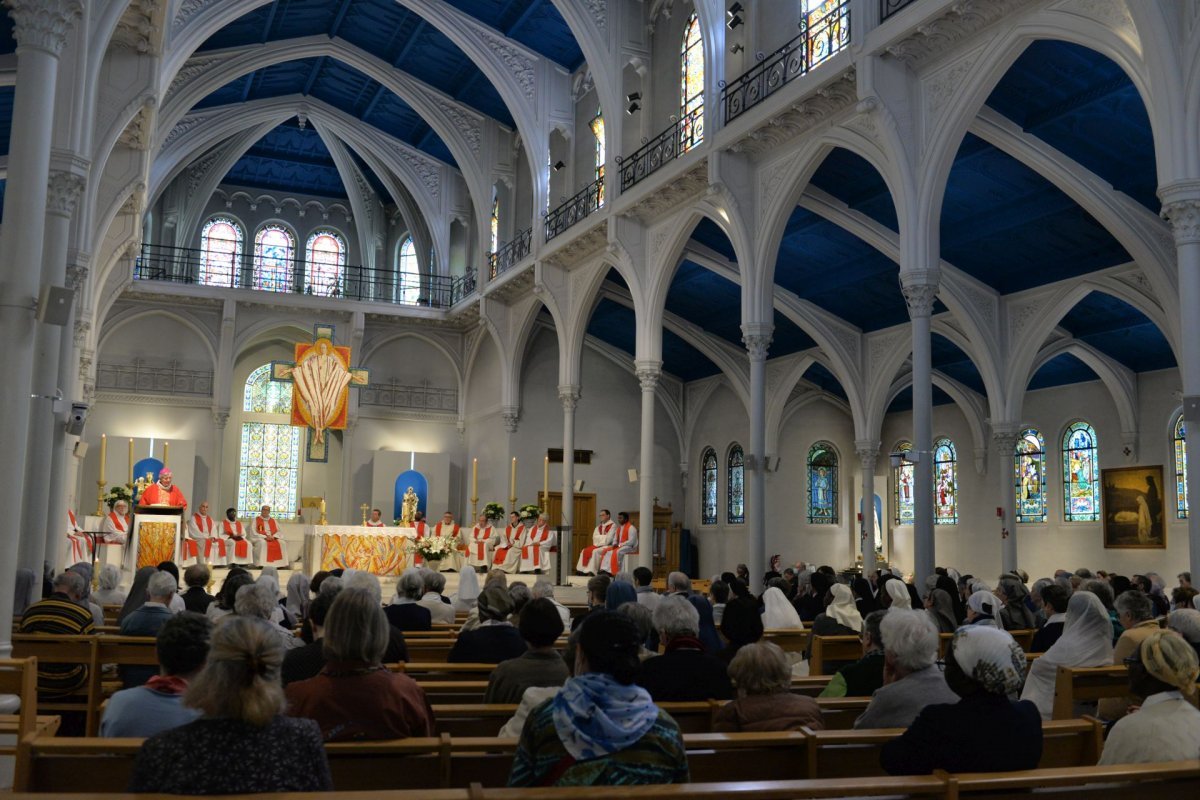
(81, 543)
(73, 521)
(479, 539)
(532, 550)
(512, 538)
(261, 525)
(241, 547)
(538, 534)
(622, 534)
(420, 528)
(203, 524)
(608, 559)
(586, 558)
(121, 523)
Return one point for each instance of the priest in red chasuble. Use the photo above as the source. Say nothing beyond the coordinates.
(163, 492)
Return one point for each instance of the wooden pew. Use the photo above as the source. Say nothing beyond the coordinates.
(830, 649)
(1023, 637)
(1116, 782)
(1074, 685)
(453, 692)
(839, 713)
(790, 640)
(50, 649)
(750, 789)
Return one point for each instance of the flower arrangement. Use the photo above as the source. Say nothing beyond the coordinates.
(118, 492)
(529, 511)
(434, 548)
(493, 511)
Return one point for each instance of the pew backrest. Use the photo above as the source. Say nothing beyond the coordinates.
(827, 650)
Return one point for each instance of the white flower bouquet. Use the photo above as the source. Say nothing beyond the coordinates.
(434, 548)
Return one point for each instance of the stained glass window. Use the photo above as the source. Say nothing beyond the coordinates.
(1030, 478)
(274, 257)
(708, 487)
(1081, 474)
(1181, 491)
(495, 224)
(265, 396)
(691, 86)
(903, 482)
(822, 484)
(220, 252)
(410, 276)
(735, 507)
(945, 483)
(597, 126)
(270, 468)
(324, 261)
(827, 23)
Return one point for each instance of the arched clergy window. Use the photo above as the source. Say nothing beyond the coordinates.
(691, 86)
(599, 156)
(324, 263)
(409, 290)
(735, 506)
(903, 488)
(1181, 488)
(269, 459)
(945, 483)
(1030, 477)
(495, 223)
(1081, 473)
(708, 487)
(274, 258)
(221, 241)
(822, 484)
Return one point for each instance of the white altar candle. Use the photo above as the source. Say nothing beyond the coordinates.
(103, 453)
(474, 478)
(512, 495)
(131, 475)
(545, 483)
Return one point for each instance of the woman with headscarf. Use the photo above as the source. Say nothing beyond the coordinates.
(298, 595)
(24, 590)
(864, 599)
(1015, 615)
(1166, 726)
(984, 731)
(708, 627)
(495, 639)
(983, 608)
(468, 591)
(940, 609)
(137, 592)
(109, 593)
(949, 585)
(270, 577)
(841, 617)
(619, 593)
(778, 612)
(601, 728)
(897, 590)
(1086, 641)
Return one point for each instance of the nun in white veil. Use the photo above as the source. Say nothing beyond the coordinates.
(778, 612)
(1086, 641)
(468, 591)
(898, 591)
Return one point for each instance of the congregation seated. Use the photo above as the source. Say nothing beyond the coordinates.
(861, 678)
(1054, 599)
(984, 731)
(684, 671)
(242, 743)
(777, 612)
(270, 577)
(643, 618)
(544, 588)
(540, 665)
(1014, 614)
(84, 570)
(406, 613)
(642, 578)
(354, 696)
(299, 595)
(1105, 591)
(911, 678)
(519, 593)
(197, 598)
(222, 605)
(601, 728)
(1086, 641)
(302, 663)
(718, 595)
(597, 593)
(894, 593)
(147, 620)
(62, 614)
(983, 609)
(1183, 597)
(142, 711)
(465, 598)
(109, 593)
(171, 568)
(840, 617)
(709, 638)
(1166, 725)
(762, 677)
(1136, 612)
(1186, 622)
(741, 624)
(495, 639)
(811, 588)
(939, 607)
(433, 584)
(258, 600)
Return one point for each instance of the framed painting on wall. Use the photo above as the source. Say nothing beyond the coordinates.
(1133, 515)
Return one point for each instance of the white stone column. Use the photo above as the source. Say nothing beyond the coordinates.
(217, 508)
(568, 394)
(919, 290)
(868, 453)
(757, 338)
(1005, 436)
(64, 466)
(41, 28)
(1181, 208)
(648, 373)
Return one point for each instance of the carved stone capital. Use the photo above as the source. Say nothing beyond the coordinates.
(757, 339)
(1184, 218)
(569, 397)
(1005, 435)
(220, 418)
(511, 417)
(76, 277)
(919, 293)
(62, 193)
(648, 373)
(43, 24)
(868, 453)
(82, 328)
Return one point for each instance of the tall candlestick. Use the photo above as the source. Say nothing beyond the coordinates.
(131, 475)
(545, 483)
(474, 477)
(512, 495)
(103, 452)
(166, 446)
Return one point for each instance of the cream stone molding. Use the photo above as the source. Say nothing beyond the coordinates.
(63, 191)
(569, 397)
(959, 21)
(1184, 218)
(43, 24)
(919, 297)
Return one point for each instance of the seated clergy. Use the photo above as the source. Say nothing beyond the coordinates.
(535, 550)
(237, 544)
(447, 527)
(589, 561)
(376, 520)
(202, 542)
(267, 541)
(81, 543)
(421, 531)
(115, 527)
(507, 555)
(481, 544)
(624, 542)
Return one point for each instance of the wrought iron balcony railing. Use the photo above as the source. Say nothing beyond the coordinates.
(141, 377)
(669, 145)
(823, 32)
(291, 276)
(889, 7)
(512, 253)
(587, 200)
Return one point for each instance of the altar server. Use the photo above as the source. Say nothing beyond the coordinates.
(422, 531)
(535, 550)
(81, 543)
(202, 542)
(267, 541)
(625, 541)
(115, 527)
(449, 528)
(507, 555)
(238, 544)
(481, 544)
(602, 536)
(163, 492)
(376, 520)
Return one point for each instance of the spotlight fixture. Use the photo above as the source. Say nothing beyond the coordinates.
(558, 165)
(633, 96)
(632, 109)
(734, 16)
(737, 48)
(736, 8)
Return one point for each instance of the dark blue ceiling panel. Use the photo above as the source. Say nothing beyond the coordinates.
(951, 361)
(1061, 370)
(709, 234)
(1120, 331)
(383, 28)
(289, 159)
(385, 196)
(8, 42)
(1009, 227)
(614, 324)
(824, 379)
(6, 108)
(615, 278)
(903, 401)
(704, 298)
(1083, 104)
(850, 178)
(534, 23)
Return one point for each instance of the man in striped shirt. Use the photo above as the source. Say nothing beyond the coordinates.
(60, 613)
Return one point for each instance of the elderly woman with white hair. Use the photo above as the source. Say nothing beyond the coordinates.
(260, 601)
(440, 609)
(109, 593)
(406, 613)
(911, 679)
(1186, 622)
(762, 678)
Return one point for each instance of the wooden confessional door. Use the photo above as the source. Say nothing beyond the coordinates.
(585, 521)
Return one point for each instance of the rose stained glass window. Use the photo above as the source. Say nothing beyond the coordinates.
(1030, 477)
(220, 252)
(945, 483)
(1081, 474)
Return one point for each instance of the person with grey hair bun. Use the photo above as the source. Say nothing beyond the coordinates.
(861, 678)
(911, 679)
(440, 610)
(684, 671)
(258, 601)
(405, 613)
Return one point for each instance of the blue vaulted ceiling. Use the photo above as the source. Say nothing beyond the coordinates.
(614, 324)
(1061, 370)
(1120, 331)
(288, 157)
(951, 361)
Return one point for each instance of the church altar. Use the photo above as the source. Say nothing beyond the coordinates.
(380, 551)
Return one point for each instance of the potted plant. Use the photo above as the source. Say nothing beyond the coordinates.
(432, 549)
(493, 511)
(529, 511)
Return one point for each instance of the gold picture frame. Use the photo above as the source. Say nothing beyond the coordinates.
(1132, 506)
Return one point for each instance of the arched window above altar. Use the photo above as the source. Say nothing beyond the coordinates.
(265, 396)
(274, 258)
(221, 242)
(269, 456)
(409, 287)
(324, 263)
